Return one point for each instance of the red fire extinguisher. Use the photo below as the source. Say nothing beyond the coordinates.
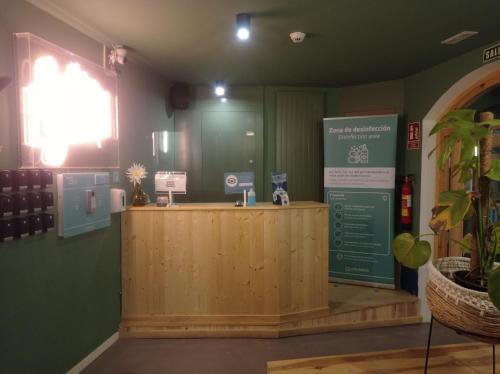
(406, 203)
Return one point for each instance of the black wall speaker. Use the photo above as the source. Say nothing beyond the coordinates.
(180, 96)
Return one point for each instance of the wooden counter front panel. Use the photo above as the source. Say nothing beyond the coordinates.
(224, 262)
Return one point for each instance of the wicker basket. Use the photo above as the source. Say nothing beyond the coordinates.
(458, 307)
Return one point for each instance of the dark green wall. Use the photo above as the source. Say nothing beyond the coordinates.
(188, 133)
(263, 100)
(387, 95)
(60, 298)
(299, 143)
(270, 122)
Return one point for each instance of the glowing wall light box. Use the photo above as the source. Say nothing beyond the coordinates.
(68, 107)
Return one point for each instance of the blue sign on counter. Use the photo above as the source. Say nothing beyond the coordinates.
(238, 182)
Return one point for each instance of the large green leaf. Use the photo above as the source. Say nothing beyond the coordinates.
(495, 237)
(492, 123)
(410, 252)
(450, 210)
(467, 133)
(466, 243)
(494, 287)
(494, 172)
(478, 132)
(465, 169)
(447, 149)
(454, 119)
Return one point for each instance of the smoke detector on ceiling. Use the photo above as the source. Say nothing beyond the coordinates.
(297, 36)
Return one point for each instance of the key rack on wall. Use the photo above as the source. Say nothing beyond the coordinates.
(26, 203)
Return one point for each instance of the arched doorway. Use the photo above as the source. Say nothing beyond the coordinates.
(464, 91)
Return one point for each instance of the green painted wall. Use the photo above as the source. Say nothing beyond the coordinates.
(299, 143)
(188, 134)
(263, 101)
(60, 299)
(270, 122)
(387, 95)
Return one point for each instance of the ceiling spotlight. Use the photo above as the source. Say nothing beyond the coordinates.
(243, 26)
(223, 99)
(220, 88)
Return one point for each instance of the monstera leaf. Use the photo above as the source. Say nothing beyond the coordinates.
(465, 132)
(410, 252)
(495, 238)
(466, 243)
(455, 119)
(491, 123)
(494, 172)
(450, 210)
(494, 287)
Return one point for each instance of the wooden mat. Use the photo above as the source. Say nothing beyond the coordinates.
(445, 359)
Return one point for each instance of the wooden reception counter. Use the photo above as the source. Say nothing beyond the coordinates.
(219, 270)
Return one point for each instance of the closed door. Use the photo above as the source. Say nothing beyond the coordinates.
(228, 145)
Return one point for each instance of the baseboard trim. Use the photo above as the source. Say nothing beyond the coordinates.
(94, 354)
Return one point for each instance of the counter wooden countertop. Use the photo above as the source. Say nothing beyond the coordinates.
(230, 206)
(221, 268)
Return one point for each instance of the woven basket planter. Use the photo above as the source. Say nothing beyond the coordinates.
(458, 307)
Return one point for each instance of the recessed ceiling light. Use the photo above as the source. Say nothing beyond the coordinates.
(220, 88)
(243, 26)
(457, 38)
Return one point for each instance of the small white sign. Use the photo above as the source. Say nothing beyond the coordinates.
(170, 181)
(360, 177)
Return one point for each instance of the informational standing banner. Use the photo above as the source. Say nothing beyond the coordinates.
(359, 177)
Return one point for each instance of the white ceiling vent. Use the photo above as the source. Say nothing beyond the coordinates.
(297, 36)
(457, 38)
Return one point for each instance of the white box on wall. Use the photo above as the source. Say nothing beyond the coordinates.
(118, 200)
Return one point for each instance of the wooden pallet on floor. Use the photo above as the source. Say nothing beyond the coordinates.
(456, 358)
(351, 307)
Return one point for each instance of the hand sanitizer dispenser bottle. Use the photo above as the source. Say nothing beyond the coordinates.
(252, 199)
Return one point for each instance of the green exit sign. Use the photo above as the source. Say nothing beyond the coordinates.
(491, 53)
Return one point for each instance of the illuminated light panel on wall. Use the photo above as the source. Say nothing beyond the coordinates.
(64, 108)
(160, 142)
(165, 142)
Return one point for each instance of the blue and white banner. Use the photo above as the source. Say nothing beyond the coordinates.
(235, 183)
(359, 175)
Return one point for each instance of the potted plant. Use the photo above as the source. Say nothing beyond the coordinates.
(463, 293)
(136, 173)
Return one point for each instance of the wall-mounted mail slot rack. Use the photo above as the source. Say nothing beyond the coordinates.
(26, 203)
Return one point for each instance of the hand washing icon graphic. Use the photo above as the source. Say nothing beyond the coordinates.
(358, 154)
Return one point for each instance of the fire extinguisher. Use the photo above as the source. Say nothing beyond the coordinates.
(406, 202)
